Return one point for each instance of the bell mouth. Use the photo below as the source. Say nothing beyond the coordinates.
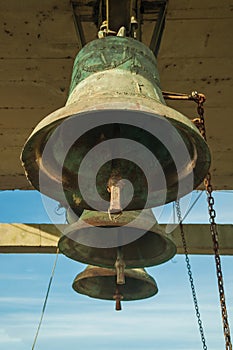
(57, 176)
(148, 250)
(100, 283)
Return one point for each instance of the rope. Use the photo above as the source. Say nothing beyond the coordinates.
(46, 299)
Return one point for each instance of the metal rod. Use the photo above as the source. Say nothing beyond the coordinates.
(120, 267)
(78, 25)
(176, 96)
(100, 14)
(139, 19)
(194, 96)
(107, 15)
(133, 19)
(158, 29)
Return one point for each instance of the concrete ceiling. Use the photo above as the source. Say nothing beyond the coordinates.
(38, 44)
(43, 238)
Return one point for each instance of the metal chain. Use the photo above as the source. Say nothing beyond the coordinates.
(200, 99)
(214, 234)
(200, 122)
(201, 330)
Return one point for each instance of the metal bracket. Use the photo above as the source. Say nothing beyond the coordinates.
(159, 27)
(124, 13)
(78, 24)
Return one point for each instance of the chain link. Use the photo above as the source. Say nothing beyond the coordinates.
(201, 330)
(214, 234)
(200, 123)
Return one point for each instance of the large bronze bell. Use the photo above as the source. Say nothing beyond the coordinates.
(140, 246)
(115, 95)
(100, 283)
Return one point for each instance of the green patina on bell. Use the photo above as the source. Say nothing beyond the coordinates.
(100, 283)
(115, 83)
(148, 247)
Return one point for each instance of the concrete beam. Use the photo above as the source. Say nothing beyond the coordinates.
(43, 238)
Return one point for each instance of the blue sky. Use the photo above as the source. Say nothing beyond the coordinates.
(166, 321)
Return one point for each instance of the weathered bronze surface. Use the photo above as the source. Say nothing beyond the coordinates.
(100, 283)
(153, 248)
(115, 75)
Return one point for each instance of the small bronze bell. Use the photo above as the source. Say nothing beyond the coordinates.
(100, 283)
(141, 240)
(115, 95)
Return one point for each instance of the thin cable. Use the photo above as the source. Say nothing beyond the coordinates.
(46, 299)
(196, 200)
(174, 211)
(188, 212)
(190, 276)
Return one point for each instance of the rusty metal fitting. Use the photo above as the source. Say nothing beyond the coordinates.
(118, 297)
(198, 97)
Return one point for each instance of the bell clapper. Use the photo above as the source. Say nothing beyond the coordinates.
(120, 267)
(114, 188)
(118, 297)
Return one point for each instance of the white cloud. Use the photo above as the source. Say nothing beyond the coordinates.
(6, 338)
